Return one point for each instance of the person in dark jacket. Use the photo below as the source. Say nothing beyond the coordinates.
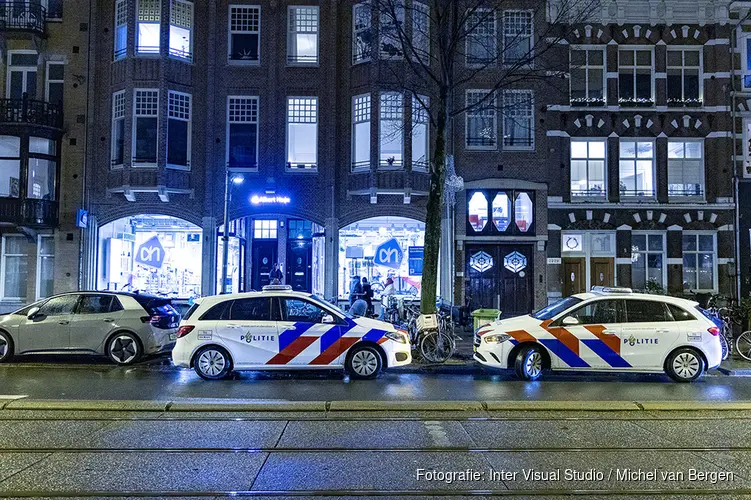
(367, 295)
(355, 290)
(277, 276)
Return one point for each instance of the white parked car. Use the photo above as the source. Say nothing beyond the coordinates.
(608, 329)
(282, 329)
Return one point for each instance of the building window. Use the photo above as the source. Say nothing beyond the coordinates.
(10, 166)
(504, 205)
(684, 77)
(391, 131)
(518, 120)
(482, 42)
(362, 33)
(302, 35)
(478, 211)
(121, 29)
(647, 260)
(588, 168)
(699, 262)
(54, 9)
(245, 33)
(635, 70)
(118, 127)
(178, 130)
(55, 84)
(517, 36)
(501, 211)
(421, 31)
(22, 74)
(637, 167)
(587, 77)
(181, 29)
(45, 266)
(149, 17)
(264, 229)
(145, 126)
(481, 125)
(685, 168)
(361, 132)
(420, 132)
(242, 143)
(302, 132)
(15, 263)
(42, 168)
(524, 214)
(391, 27)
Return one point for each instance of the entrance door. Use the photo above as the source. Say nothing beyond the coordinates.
(299, 268)
(574, 277)
(602, 271)
(500, 277)
(264, 257)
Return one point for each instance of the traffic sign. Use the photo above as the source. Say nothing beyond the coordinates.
(151, 253)
(389, 254)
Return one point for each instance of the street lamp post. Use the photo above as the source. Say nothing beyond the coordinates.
(235, 179)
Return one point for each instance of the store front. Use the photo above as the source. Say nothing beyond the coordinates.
(153, 254)
(380, 248)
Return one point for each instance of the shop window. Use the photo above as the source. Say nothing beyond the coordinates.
(478, 211)
(647, 260)
(635, 71)
(265, 229)
(685, 168)
(524, 212)
(244, 33)
(588, 168)
(391, 28)
(391, 139)
(420, 31)
(362, 33)
(10, 166)
(699, 262)
(637, 169)
(481, 125)
(45, 266)
(242, 129)
(587, 77)
(420, 129)
(515, 262)
(147, 29)
(302, 132)
(517, 36)
(302, 35)
(179, 130)
(181, 29)
(55, 83)
(361, 132)
(482, 44)
(145, 131)
(684, 77)
(518, 120)
(501, 211)
(299, 229)
(481, 262)
(22, 74)
(14, 267)
(118, 128)
(121, 29)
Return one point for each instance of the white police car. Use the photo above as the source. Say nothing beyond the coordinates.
(282, 329)
(609, 329)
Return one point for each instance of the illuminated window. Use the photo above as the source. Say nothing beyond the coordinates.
(588, 168)
(420, 129)
(302, 35)
(361, 132)
(302, 132)
(147, 29)
(391, 140)
(685, 168)
(362, 34)
(265, 229)
(478, 211)
(637, 166)
(121, 29)
(647, 259)
(181, 29)
(501, 211)
(515, 262)
(481, 262)
(524, 212)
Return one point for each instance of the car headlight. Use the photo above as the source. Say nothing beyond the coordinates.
(496, 339)
(397, 337)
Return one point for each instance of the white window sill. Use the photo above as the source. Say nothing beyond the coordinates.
(144, 165)
(243, 62)
(480, 148)
(178, 167)
(519, 149)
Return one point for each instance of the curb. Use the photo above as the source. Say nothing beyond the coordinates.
(240, 406)
(406, 406)
(562, 405)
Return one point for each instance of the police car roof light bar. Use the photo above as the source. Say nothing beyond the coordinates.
(271, 288)
(611, 289)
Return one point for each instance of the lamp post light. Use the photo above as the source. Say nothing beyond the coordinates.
(230, 179)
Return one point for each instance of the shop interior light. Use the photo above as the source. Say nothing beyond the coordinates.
(238, 179)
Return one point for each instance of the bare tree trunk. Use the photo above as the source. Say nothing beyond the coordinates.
(433, 219)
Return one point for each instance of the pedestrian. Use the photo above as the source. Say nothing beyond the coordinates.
(388, 291)
(367, 295)
(355, 290)
(277, 276)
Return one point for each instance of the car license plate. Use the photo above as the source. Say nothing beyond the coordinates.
(173, 336)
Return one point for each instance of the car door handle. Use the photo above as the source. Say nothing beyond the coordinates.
(108, 320)
(234, 326)
(608, 332)
(663, 331)
(63, 322)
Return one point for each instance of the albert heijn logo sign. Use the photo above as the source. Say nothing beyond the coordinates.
(389, 254)
(151, 253)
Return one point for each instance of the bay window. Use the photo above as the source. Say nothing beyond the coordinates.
(178, 130)
(118, 128)
(145, 126)
(302, 132)
(480, 125)
(244, 33)
(420, 128)
(588, 168)
(587, 76)
(637, 166)
(121, 29)
(362, 33)
(302, 35)
(517, 36)
(181, 29)
(481, 44)
(390, 25)
(685, 168)
(684, 77)
(699, 262)
(361, 132)
(42, 168)
(518, 120)
(10, 166)
(147, 26)
(391, 130)
(14, 267)
(242, 130)
(421, 31)
(635, 71)
(648, 260)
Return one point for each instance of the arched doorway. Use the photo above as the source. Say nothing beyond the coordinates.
(154, 254)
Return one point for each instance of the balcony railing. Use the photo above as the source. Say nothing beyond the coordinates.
(591, 193)
(28, 211)
(22, 16)
(638, 193)
(30, 111)
(595, 102)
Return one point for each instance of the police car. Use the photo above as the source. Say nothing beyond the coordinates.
(281, 329)
(609, 329)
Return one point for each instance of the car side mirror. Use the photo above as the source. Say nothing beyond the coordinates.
(328, 319)
(569, 321)
(32, 312)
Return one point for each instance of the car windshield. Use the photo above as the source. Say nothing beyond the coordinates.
(554, 309)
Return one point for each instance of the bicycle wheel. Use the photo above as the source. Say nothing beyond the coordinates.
(436, 347)
(743, 345)
(725, 347)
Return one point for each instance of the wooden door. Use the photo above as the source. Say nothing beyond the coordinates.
(574, 277)
(601, 271)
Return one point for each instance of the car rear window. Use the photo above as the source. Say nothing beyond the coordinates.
(155, 305)
(216, 312)
(190, 311)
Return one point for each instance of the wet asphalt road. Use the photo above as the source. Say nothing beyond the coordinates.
(155, 379)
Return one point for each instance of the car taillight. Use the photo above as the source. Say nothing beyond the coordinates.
(714, 330)
(184, 330)
(154, 320)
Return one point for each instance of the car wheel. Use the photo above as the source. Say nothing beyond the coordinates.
(212, 363)
(364, 363)
(528, 363)
(124, 348)
(6, 347)
(684, 365)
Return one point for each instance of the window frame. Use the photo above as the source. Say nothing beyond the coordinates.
(21, 68)
(301, 167)
(48, 80)
(118, 54)
(4, 266)
(148, 51)
(521, 147)
(586, 67)
(134, 132)
(715, 277)
(189, 132)
(53, 174)
(531, 35)
(230, 32)
(468, 112)
(635, 103)
(272, 229)
(290, 34)
(490, 228)
(492, 60)
(228, 134)
(181, 55)
(384, 164)
(745, 38)
(16, 159)
(683, 49)
(653, 192)
(356, 166)
(663, 252)
(367, 55)
(122, 118)
(684, 197)
(40, 256)
(589, 195)
(419, 115)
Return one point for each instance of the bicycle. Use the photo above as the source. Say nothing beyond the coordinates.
(724, 309)
(438, 345)
(743, 345)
